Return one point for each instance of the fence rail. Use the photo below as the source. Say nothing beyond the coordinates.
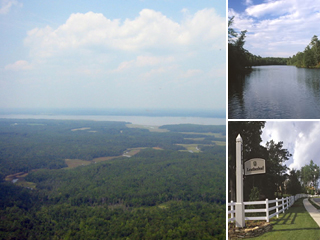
(272, 208)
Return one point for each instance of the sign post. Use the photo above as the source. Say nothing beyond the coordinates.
(240, 222)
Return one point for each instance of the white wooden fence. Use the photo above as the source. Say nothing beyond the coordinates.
(272, 208)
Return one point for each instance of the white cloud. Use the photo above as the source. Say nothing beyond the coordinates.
(272, 7)
(19, 65)
(7, 4)
(278, 27)
(300, 138)
(150, 29)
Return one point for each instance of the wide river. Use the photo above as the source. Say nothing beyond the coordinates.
(276, 92)
(141, 120)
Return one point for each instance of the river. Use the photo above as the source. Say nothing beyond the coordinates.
(276, 92)
(141, 120)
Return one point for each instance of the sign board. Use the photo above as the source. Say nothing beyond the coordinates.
(255, 166)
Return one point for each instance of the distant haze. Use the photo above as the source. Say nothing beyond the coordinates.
(113, 54)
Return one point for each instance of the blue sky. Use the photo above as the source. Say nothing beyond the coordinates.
(112, 54)
(276, 28)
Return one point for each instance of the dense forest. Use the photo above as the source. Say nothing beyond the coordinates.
(310, 57)
(161, 192)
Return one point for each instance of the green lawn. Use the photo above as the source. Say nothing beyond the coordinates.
(296, 223)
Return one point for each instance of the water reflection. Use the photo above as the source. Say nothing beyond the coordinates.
(275, 92)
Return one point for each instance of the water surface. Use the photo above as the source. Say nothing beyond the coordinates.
(272, 92)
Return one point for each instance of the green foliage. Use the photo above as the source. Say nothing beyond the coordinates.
(264, 61)
(238, 56)
(296, 223)
(274, 154)
(310, 175)
(255, 194)
(294, 185)
(147, 179)
(310, 57)
(156, 194)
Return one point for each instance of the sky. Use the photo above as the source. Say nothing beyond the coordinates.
(301, 138)
(113, 54)
(276, 28)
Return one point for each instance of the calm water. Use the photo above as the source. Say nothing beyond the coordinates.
(276, 92)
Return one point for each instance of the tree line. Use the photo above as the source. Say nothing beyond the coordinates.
(310, 57)
(240, 60)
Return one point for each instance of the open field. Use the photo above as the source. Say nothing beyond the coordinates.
(190, 147)
(72, 163)
(195, 139)
(150, 128)
(80, 129)
(219, 143)
(218, 135)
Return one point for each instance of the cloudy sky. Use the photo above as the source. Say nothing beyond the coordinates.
(276, 28)
(113, 54)
(301, 138)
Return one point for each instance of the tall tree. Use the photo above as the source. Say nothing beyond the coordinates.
(293, 184)
(310, 175)
(238, 56)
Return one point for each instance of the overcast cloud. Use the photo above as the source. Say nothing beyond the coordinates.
(276, 28)
(301, 138)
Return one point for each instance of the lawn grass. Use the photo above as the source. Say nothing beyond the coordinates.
(296, 223)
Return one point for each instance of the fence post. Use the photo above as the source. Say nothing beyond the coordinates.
(277, 209)
(240, 222)
(283, 207)
(267, 209)
(232, 208)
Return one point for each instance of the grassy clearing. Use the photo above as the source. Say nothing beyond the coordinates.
(195, 139)
(80, 129)
(219, 143)
(150, 128)
(190, 147)
(296, 223)
(72, 163)
(23, 183)
(218, 135)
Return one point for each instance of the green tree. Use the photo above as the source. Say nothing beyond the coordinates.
(310, 175)
(293, 184)
(238, 56)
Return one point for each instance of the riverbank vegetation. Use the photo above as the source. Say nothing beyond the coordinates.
(158, 192)
(310, 57)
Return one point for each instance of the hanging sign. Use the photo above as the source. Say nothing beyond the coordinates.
(255, 166)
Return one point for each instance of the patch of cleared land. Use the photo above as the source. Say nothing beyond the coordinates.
(150, 128)
(195, 139)
(190, 147)
(18, 179)
(72, 163)
(80, 129)
(218, 135)
(219, 143)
